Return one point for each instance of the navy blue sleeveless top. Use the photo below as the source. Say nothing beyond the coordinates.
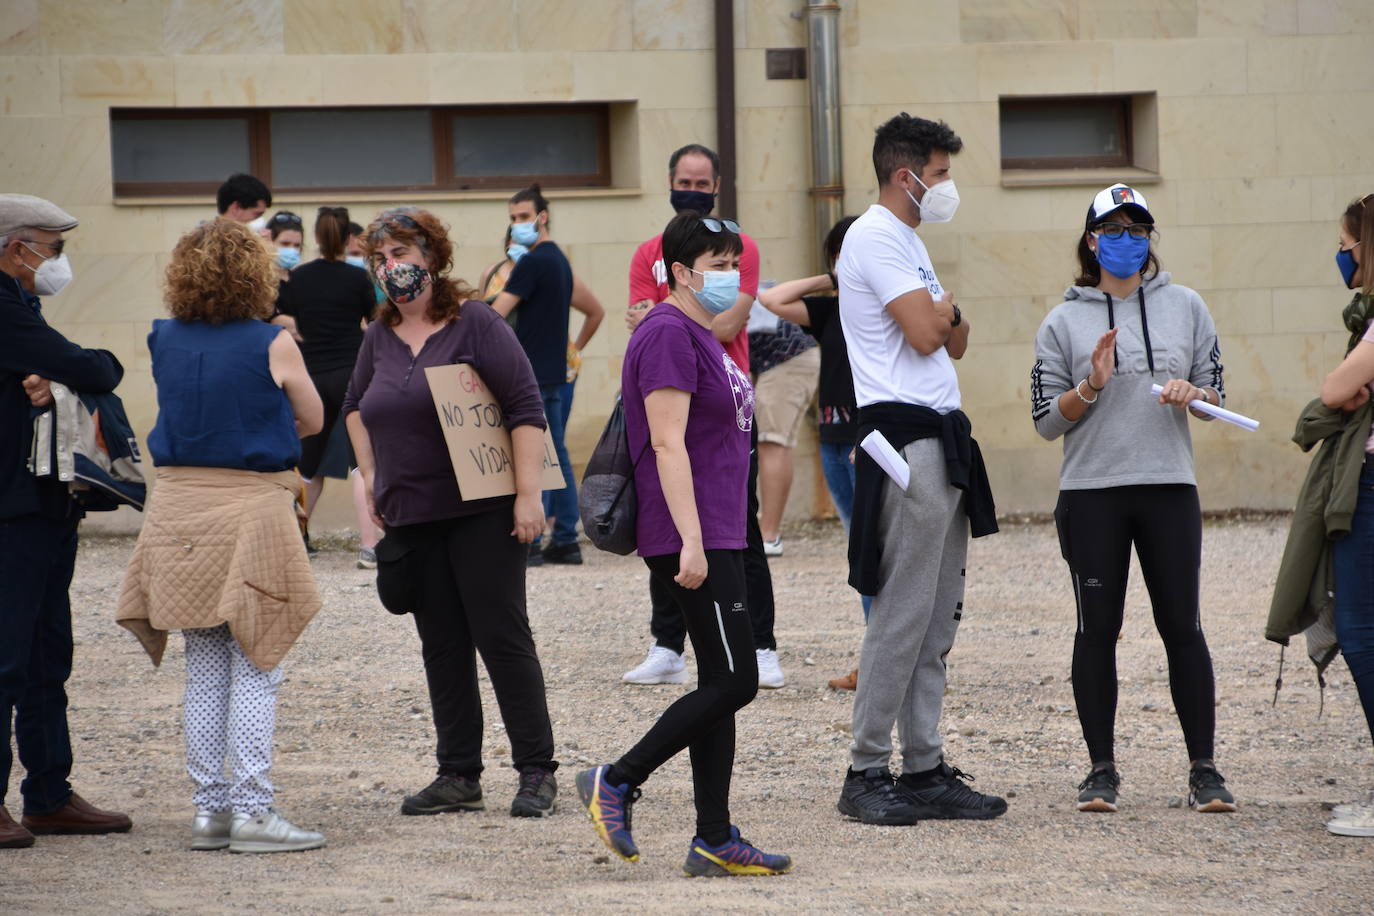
(218, 406)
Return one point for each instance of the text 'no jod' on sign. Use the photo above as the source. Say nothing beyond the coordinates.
(479, 444)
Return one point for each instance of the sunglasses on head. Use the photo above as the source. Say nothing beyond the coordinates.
(716, 225)
(285, 218)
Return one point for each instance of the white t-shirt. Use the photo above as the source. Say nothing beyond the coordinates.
(883, 258)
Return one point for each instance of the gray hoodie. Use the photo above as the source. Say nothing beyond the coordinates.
(1127, 438)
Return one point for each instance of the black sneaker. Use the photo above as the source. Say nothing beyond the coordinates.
(871, 798)
(1207, 791)
(943, 796)
(567, 554)
(535, 797)
(1098, 791)
(310, 549)
(535, 557)
(446, 793)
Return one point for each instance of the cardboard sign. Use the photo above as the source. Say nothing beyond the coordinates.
(475, 430)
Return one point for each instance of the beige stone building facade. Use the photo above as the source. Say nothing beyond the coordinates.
(1242, 120)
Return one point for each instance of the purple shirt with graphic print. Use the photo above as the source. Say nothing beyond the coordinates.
(670, 350)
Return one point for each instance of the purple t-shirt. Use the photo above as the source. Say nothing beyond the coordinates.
(414, 479)
(670, 350)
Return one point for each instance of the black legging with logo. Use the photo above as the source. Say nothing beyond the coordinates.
(1096, 531)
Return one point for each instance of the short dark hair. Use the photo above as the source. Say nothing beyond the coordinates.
(907, 142)
(694, 149)
(686, 238)
(834, 240)
(533, 194)
(354, 229)
(241, 189)
(285, 221)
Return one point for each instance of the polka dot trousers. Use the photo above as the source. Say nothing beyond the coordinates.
(231, 714)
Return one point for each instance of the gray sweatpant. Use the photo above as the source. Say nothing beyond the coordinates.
(915, 614)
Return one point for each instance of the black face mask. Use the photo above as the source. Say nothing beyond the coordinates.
(696, 201)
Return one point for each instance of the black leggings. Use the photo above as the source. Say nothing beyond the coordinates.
(332, 385)
(1096, 531)
(704, 720)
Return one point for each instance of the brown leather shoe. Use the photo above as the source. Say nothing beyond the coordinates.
(77, 816)
(12, 836)
(849, 682)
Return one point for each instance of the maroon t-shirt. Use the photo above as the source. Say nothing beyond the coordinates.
(414, 481)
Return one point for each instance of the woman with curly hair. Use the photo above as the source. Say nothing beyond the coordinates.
(220, 555)
(461, 561)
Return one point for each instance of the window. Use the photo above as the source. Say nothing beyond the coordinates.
(184, 152)
(1066, 133)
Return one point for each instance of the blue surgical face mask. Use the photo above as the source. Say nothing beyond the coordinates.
(288, 258)
(1345, 263)
(516, 252)
(1122, 256)
(720, 289)
(525, 233)
(356, 260)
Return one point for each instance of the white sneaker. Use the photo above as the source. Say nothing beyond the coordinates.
(1351, 808)
(1358, 823)
(210, 829)
(270, 832)
(773, 548)
(660, 666)
(367, 558)
(770, 672)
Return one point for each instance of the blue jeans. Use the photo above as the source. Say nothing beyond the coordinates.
(1354, 568)
(37, 556)
(839, 478)
(561, 504)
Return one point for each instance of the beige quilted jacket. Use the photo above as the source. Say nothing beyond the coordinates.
(220, 546)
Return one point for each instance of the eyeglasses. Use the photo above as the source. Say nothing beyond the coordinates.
(1135, 230)
(715, 225)
(56, 246)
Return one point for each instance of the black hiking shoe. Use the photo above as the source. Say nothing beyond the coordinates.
(535, 797)
(943, 796)
(871, 798)
(446, 793)
(565, 554)
(1098, 791)
(1207, 791)
(535, 557)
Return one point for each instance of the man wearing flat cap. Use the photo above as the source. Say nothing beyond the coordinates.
(38, 523)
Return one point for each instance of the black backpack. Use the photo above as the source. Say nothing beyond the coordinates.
(606, 499)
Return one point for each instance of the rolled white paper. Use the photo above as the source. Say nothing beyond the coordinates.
(1221, 413)
(881, 451)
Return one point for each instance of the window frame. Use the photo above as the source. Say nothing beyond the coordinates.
(441, 136)
(1124, 116)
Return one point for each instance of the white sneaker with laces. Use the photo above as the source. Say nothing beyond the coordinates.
(1358, 823)
(210, 829)
(270, 832)
(1350, 808)
(770, 672)
(773, 548)
(367, 558)
(660, 666)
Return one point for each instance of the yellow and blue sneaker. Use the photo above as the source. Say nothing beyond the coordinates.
(609, 808)
(734, 857)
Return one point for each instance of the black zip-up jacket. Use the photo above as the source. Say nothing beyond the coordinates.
(29, 346)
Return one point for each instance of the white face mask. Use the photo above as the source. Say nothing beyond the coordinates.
(258, 224)
(940, 200)
(50, 276)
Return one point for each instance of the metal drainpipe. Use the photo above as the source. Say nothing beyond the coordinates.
(725, 106)
(823, 71)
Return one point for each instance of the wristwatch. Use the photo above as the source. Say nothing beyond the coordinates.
(958, 318)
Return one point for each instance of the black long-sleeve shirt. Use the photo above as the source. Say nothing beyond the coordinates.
(29, 346)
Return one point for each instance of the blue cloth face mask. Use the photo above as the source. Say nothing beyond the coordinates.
(720, 289)
(1122, 256)
(525, 233)
(288, 258)
(516, 252)
(1345, 263)
(356, 260)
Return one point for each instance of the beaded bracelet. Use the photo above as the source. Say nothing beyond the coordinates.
(1080, 393)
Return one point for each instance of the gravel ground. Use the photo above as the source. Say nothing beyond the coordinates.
(354, 735)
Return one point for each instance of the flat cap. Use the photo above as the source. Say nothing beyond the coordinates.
(18, 211)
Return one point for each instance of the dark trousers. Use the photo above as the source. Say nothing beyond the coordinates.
(472, 597)
(1096, 531)
(36, 559)
(1354, 568)
(332, 385)
(703, 721)
(666, 624)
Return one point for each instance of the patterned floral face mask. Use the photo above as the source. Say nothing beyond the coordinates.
(403, 282)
